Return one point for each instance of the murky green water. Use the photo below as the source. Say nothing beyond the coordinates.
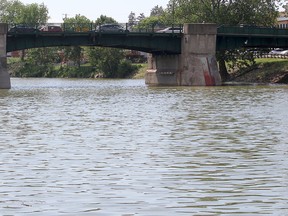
(118, 147)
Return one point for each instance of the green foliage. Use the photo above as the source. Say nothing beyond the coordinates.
(11, 11)
(31, 70)
(238, 59)
(286, 8)
(235, 12)
(43, 56)
(78, 23)
(126, 69)
(227, 12)
(74, 54)
(132, 20)
(110, 62)
(157, 11)
(75, 72)
(151, 23)
(39, 63)
(34, 14)
(15, 12)
(104, 20)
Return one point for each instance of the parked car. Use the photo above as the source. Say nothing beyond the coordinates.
(51, 28)
(111, 28)
(278, 51)
(23, 28)
(171, 30)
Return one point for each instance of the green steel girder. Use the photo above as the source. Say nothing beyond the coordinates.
(151, 42)
(146, 42)
(257, 37)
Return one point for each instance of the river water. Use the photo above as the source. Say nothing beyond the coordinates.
(119, 147)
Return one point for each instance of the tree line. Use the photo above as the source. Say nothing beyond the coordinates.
(111, 62)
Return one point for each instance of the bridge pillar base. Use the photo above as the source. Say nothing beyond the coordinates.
(4, 76)
(162, 70)
(195, 66)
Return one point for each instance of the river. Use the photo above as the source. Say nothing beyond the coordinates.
(119, 147)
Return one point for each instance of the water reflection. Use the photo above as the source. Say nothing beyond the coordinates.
(86, 147)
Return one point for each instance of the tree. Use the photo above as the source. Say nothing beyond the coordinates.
(106, 60)
(157, 11)
(151, 22)
(132, 21)
(140, 17)
(15, 12)
(110, 62)
(232, 12)
(104, 20)
(229, 12)
(39, 63)
(74, 54)
(78, 23)
(286, 8)
(10, 11)
(3, 9)
(34, 14)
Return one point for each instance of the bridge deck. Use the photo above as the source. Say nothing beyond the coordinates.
(228, 37)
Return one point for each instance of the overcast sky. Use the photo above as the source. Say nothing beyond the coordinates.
(92, 9)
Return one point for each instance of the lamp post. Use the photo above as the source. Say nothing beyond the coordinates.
(173, 12)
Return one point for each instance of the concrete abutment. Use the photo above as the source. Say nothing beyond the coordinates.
(4, 75)
(195, 66)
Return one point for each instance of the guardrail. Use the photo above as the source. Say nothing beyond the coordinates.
(267, 55)
(90, 27)
(248, 30)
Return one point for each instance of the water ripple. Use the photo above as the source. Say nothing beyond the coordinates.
(86, 147)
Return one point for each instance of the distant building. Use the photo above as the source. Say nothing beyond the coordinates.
(282, 22)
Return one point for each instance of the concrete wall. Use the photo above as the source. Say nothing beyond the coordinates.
(162, 70)
(195, 66)
(4, 76)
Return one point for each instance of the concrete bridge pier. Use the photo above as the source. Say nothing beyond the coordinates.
(4, 76)
(195, 66)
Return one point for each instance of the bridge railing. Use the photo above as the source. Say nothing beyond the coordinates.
(89, 27)
(244, 29)
(267, 55)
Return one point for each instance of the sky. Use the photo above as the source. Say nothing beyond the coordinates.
(93, 9)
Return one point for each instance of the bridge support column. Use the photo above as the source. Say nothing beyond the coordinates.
(195, 66)
(4, 76)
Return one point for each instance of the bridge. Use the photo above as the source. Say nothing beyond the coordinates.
(149, 42)
(228, 37)
(186, 58)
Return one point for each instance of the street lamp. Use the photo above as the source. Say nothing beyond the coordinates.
(173, 12)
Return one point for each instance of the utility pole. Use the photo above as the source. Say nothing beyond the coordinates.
(65, 16)
(173, 12)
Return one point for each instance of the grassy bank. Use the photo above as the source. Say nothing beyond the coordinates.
(141, 72)
(266, 70)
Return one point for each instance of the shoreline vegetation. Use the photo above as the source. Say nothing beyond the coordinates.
(265, 71)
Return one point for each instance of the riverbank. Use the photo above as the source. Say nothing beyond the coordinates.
(265, 71)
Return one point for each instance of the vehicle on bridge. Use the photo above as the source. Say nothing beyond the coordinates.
(171, 30)
(278, 51)
(113, 27)
(23, 28)
(51, 28)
